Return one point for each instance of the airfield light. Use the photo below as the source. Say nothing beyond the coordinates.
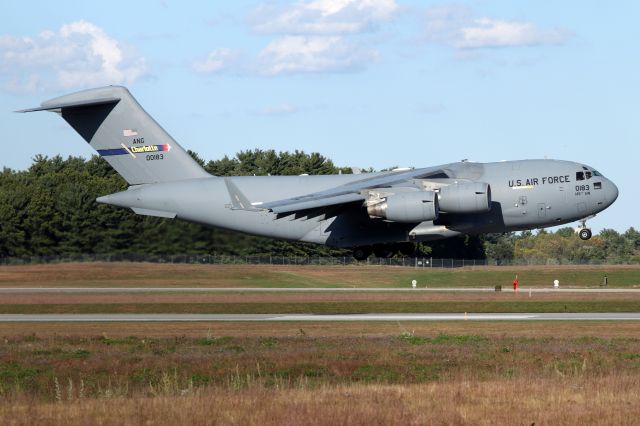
(414, 283)
(556, 284)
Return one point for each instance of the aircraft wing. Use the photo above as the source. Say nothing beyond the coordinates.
(348, 193)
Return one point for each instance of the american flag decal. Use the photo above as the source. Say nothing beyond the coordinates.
(129, 132)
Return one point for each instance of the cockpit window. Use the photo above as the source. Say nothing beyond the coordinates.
(596, 173)
(587, 174)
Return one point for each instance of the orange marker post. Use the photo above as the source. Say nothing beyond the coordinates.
(515, 284)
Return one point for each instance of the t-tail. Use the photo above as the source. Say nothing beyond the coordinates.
(124, 134)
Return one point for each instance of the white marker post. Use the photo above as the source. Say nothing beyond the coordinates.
(414, 283)
(556, 284)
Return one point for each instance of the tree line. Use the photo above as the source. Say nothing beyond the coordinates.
(49, 209)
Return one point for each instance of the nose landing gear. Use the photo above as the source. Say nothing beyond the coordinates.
(583, 232)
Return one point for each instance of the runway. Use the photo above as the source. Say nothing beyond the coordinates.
(89, 290)
(305, 317)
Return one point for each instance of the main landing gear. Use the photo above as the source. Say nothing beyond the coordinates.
(384, 250)
(583, 232)
(362, 252)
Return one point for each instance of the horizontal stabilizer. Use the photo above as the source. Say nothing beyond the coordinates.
(157, 213)
(78, 104)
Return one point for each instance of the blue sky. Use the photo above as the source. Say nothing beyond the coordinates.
(375, 83)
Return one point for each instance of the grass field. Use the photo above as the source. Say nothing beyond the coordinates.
(317, 373)
(394, 375)
(180, 275)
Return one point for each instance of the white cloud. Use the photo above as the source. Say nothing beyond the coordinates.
(311, 36)
(217, 60)
(323, 16)
(80, 54)
(457, 27)
(300, 54)
(496, 33)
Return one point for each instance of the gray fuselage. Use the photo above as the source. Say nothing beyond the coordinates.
(525, 194)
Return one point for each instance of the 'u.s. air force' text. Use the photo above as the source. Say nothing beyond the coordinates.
(544, 180)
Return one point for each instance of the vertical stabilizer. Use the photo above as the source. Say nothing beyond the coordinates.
(125, 135)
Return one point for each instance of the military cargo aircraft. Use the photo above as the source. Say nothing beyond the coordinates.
(381, 213)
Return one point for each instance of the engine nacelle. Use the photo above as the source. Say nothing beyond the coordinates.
(417, 206)
(473, 197)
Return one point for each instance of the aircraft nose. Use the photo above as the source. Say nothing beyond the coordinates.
(612, 192)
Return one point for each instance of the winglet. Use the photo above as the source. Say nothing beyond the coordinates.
(238, 200)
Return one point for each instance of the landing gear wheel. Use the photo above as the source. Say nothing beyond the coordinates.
(361, 253)
(382, 251)
(585, 234)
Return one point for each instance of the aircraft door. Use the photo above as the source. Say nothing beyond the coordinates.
(542, 210)
(521, 204)
(515, 213)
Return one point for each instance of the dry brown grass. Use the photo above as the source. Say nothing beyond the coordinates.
(105, 365)
(319, 373)
(566, 401)
(123, 274)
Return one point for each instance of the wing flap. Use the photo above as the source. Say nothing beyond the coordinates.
(314, 203)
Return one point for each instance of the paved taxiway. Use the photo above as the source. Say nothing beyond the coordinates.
(305, 317)
(83, 290)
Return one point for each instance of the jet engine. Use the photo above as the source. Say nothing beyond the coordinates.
(417, 206)
(472, 197)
